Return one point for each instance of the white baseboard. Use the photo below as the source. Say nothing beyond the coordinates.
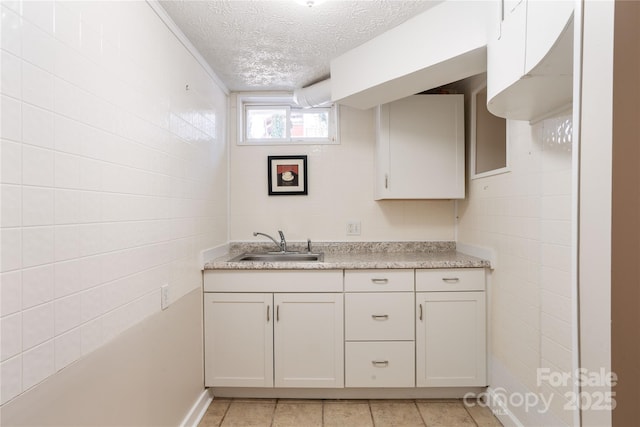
(347, 393)
(500, 410)
(506, 394)
(198, 410)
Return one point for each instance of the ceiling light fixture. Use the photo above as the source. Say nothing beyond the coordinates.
(309, 3)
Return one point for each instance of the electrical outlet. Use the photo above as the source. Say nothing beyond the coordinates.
(353, 228)
(164, 296)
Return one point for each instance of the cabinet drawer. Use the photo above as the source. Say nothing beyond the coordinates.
(380, 364)
(378, 280)
(458, 279)
(379, 316)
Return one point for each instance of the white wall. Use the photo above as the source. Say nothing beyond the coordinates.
(525, 217)
(151, 375)
(340, 189)
(113, 178)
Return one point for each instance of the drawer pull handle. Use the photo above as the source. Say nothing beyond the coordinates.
(380, 316)
(420, 311)
(380, 363)
(380, 281)
(451, 279)
(268, 310)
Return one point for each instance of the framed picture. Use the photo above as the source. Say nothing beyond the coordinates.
(287, 175)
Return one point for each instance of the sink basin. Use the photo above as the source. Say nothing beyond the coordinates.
(279, 257)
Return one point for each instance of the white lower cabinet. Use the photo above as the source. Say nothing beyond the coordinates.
(366, 329)
(238, 343)
(450, 328)
(309, 340)
(379, 328)
(274, 339)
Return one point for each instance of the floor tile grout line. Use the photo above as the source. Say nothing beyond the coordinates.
(470, 414)
(278, 401)
(273, 413)
(225, 412)
(373, 421)
(415, 403)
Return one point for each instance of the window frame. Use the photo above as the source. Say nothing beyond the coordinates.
(473, 147)
(246, 102)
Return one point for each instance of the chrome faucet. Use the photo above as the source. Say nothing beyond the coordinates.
(283, 242)
(282, 245)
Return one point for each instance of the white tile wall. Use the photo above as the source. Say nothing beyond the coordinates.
(10, 292)
(113, 178)
(37, 285)
(11, 328)
(525, 216)
(340, 190)
(37, 364)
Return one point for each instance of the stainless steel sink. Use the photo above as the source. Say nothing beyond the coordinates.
(279, 257)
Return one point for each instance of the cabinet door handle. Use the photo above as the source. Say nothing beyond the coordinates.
(380, 281)
(380, 363)
(386, 180)
(420, 311)
(268, 309)
(380, 316)
(277, 313)
(451, 279)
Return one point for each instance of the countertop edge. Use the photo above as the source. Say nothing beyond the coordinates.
(458, 260)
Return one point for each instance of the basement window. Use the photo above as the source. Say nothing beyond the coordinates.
(277, 120)
(489, 147)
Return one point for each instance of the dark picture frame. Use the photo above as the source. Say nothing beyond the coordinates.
(287, 175)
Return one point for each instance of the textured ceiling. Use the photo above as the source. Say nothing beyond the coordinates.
(282, 45)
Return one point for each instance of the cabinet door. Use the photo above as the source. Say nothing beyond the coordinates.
(309, 340)
(506, 54)
(450, 339)
(420, 153)
(238, 339)
(530, 64)
(546, 20)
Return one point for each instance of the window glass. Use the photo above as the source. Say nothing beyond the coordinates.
(265, 120)
(310, 123)
(266, 123)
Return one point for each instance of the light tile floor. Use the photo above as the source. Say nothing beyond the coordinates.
(345, 413)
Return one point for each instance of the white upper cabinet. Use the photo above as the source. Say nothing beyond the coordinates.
(506, 52)
(530, 59)
(546, 22)
(420, 148)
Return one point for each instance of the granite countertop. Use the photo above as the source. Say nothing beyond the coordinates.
(359, 255)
